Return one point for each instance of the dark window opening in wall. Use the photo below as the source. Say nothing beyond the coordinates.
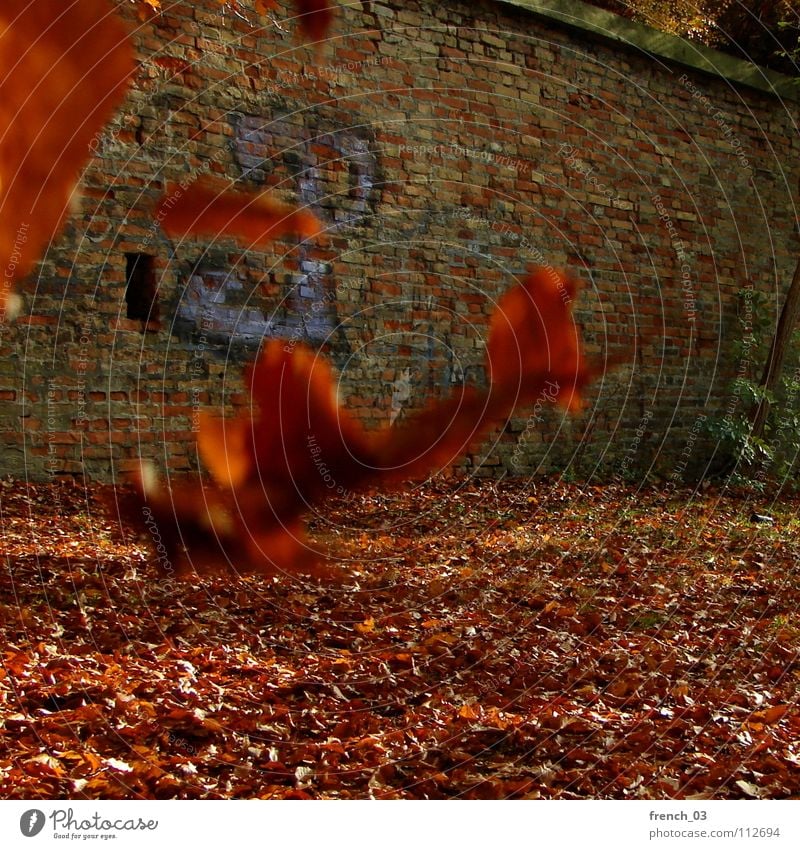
(141, 291)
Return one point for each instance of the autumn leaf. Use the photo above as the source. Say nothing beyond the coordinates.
(316, 17)
(534, 345)
(210, 207)
(470, 712)
(64, 69)
(770, 715)
(298, 446)
(533, 348)
(202, 527)
(365, 627)
(225, 448)
(299, 439)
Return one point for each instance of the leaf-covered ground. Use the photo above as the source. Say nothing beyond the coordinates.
(487, 641)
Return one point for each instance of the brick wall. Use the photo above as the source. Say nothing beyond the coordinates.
(446, 146)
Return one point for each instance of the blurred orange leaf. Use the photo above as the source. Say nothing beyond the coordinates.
(299, 446)
(210, 207)
(64, 69)
(316, 17)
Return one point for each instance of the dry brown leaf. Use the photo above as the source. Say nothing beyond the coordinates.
(469, 712)
(771, 714)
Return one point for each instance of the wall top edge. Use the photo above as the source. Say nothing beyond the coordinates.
(579, 16)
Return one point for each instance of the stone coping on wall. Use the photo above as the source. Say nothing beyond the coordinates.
(600, 23)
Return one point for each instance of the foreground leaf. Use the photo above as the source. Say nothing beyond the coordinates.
(316, 17)
(210, 207)
(64, 68)
(299, 447)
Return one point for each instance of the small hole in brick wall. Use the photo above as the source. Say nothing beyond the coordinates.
(141, 292)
